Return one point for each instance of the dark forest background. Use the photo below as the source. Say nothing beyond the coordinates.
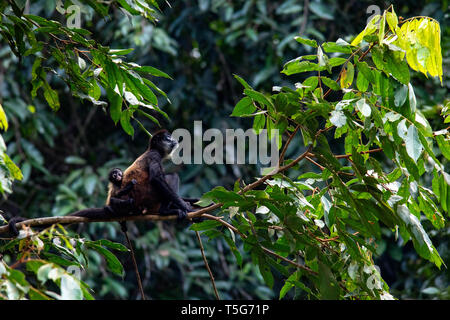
(65, 157)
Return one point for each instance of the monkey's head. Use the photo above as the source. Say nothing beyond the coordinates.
(115, 176)
(164, 143)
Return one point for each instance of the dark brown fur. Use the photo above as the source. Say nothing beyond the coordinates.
(146, 197)
(143, 193)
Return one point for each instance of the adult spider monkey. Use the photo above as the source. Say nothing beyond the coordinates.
(147, 189)
(154, 190)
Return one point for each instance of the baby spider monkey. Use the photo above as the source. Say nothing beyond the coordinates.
(115, 205)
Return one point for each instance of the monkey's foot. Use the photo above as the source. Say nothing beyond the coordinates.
(181, 215)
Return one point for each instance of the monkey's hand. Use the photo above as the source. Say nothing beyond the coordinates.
(183, 205)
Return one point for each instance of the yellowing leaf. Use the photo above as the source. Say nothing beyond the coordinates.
(381, 29)
(347, 76)
(421, 40)
(369, 29)
(392, 20)
(3, 120)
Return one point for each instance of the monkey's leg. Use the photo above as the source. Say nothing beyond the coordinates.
(167, 192)
(173, 180)
(170, 208)
(167, 207)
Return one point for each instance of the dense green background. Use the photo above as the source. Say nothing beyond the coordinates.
(65, 156)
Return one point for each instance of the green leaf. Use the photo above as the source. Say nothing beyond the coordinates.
(366, 71)
(328, 286)
(259, 123)
(398, 68)
(264, 269)
(42, 21)
(361, 82)
(117, 52)
(299, 66)
(242, 81)
(223, 195)
(125, 122)
(153, 71)
(333, 85)
(391, 64)
(421, 241)
(113, 75)
(51, 96)
(115, 107)
(243, 107)
(400, 96)
(334, 62)
(205, 225)
(414, 147)
(288, 285)
(431, 211)
(444, 145)
(145, 91)
(111, 245)
(412, 98)
(112, 262)
(308, 42)
(334, 47)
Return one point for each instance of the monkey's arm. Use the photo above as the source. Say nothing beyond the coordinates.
(127, 189)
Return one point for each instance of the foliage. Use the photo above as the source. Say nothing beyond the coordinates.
(52, 255)
(330, 220)
(298, 215)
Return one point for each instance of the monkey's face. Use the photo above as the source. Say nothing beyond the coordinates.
(169, 144)
(164, 143)
(115, 176)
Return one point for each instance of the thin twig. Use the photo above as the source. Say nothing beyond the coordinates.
(340, 156)
(207, 265)
(133, 258)
(313, 162)
(305, 17)
(291, 136)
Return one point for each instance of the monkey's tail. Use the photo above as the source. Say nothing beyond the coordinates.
(93, 213)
